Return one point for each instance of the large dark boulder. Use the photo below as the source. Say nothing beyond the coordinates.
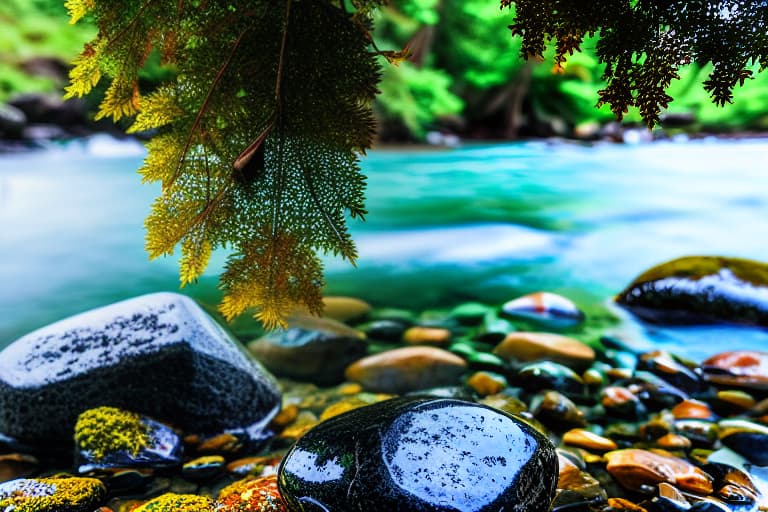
(160, 355)
(701, 290)
(419, 455)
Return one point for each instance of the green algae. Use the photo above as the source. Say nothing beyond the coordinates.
(53, 495)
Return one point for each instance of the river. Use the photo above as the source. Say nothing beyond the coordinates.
(481, 222)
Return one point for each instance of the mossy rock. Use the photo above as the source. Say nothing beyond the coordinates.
(701, 290)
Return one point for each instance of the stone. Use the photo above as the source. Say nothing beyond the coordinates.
(345, 309)
(422, 335)
(692, 409)
(172, 502)
(620, 402)
(107, 437)
(634, 468)
(385, 330)
(547, 375)
(740, 368)
(51, 494)
(543, 346)
(748, 439)
(203, 468)
(471, 313)
(259, 495)
(486, 383)
(420, 454)
(557, 411)
(12, 121)
(588, 440)
(700, 290)
(544, 308)
(159, 355)
(407, 369)
(311, 349)
(17, 465)
(666, 367)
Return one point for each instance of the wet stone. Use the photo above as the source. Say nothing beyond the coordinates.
(700, 289)
(544, 308)
(407, 369)
(746, 438)
(633, 468)
(663, 365)
(203, 468)
(17, 465)
(588, 440)
(543, 346)
(702, 433)
(471, 313)
(622, 403)
(107, 438)
(51, 495)
(421, 335)
(420, 455)
(180, 364)
(692, 409)
(345, 309)
(557, 411)
(385, 330)
(311, 349)
(485, 383)
(548, 375)
(740, 369)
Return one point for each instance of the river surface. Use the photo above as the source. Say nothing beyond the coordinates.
(482, 223)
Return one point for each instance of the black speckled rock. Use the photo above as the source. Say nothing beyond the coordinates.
(158, 355)
(420, 454)
(700, 289)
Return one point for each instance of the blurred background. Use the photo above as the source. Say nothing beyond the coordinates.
(505, 197)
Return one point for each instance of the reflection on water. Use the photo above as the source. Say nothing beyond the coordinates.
(478, 223)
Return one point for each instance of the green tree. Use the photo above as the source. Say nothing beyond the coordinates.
(258, 132)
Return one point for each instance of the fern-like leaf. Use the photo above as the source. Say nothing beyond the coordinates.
(85, 72)
(78, 9)
(122, 99)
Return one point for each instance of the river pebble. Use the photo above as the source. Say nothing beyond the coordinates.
(542, 346)
(407, 369)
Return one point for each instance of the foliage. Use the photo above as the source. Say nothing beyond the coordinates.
(257, 135)
(643, 44)
(30, 29)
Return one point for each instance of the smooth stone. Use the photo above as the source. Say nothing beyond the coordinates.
(574, 479)
(422, 335)
(160, 355)
(203, 468)
(385, 330)
(345, 309)
(311, 349)
(106, 437)
(485, 383)
(670, 499)
(655, 393)
(633, 468)
(557, 411)
(51, 494)
(535, 377)
(471, 313)
(692, 409)
(543, 346)
(494, 330)
(670, 441)
(17, 465)
(700, 290)
(420, 455)
(621, 402)
(742, 368)
(485, 361)
(544, 308)
(747, 438)
(406, 369)
(588, 440)
(663, 365)
(12, 121)
(702, 433)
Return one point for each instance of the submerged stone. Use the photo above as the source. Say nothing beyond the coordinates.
(701, 289)
(51, 495)
(420, 454)
(157, 354)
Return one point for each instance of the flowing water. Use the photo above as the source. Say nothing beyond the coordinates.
(483, 223)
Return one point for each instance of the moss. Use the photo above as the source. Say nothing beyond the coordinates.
(107, 429)
(696, 267)
(52, 495)
(171, 502)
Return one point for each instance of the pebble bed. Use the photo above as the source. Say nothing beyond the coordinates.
(628, 431)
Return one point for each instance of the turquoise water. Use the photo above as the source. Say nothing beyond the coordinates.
(483, 223)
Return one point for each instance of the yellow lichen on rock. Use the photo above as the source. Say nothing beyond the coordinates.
(51, 494)
(171, 502)
(108, 429)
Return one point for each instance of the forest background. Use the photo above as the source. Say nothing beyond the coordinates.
(464, 76)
